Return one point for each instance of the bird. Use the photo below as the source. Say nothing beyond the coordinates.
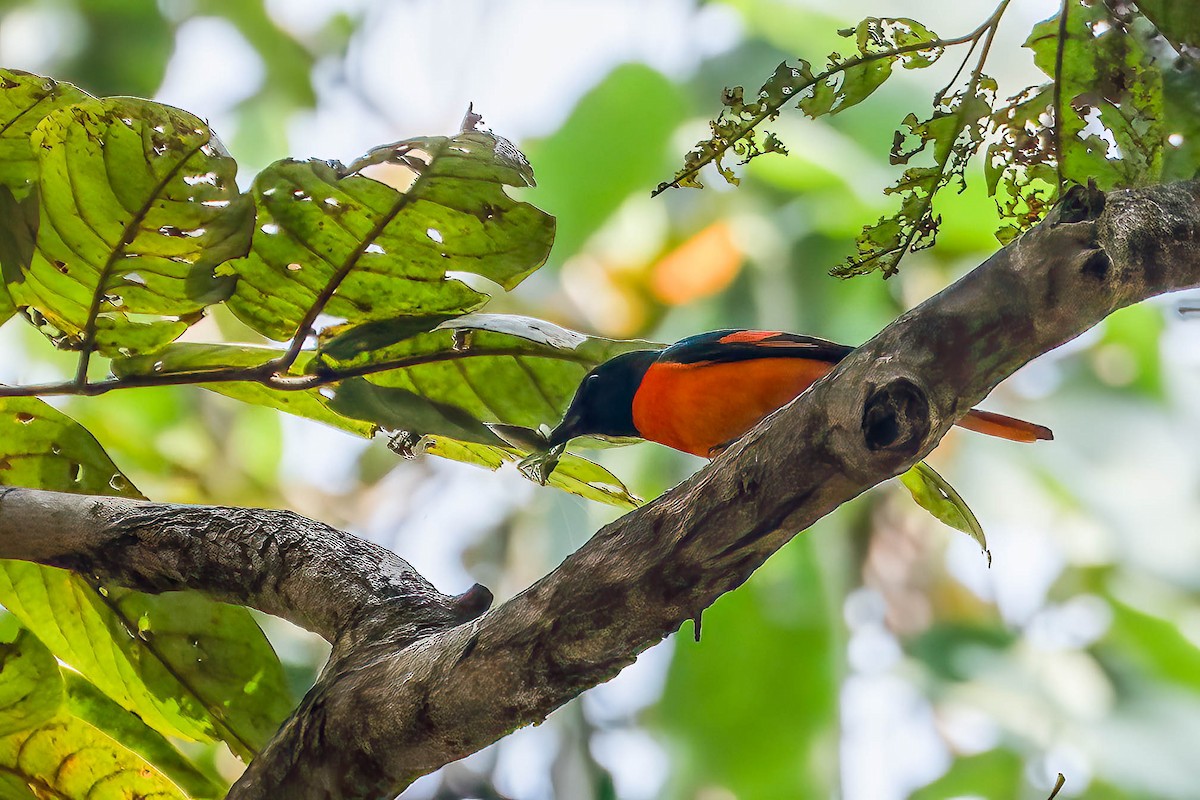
(704, 392)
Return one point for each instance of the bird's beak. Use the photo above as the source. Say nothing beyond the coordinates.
(567, 430)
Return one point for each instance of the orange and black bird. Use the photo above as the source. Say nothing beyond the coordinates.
(704, 392)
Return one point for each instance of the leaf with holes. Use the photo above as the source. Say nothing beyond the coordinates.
(932, 493)
(68, 759)
(24, 101)
(197, 357)
(952, 135)
(136, 205)
(882, 43)
(186, 665)
(344, 242)
(1113, 111)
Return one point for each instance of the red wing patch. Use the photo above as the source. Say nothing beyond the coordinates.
(748, 337)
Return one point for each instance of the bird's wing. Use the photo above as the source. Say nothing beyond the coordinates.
(744, 345)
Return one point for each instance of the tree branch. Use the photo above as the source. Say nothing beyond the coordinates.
(389, 709)
(316, 576)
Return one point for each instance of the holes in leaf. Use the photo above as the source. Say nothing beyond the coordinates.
(300, 194)
(208, 177)
(434, 234)
(215, 203)
(135, 279)
(295, 267)
(24, 417)
(61, 266)
(332, 202)
(327, 392)
(118, 482)
(76, 470)
(171, 230)
(270, 228)
(268, 192)
(374, 247)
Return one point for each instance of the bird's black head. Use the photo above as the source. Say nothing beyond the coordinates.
(603, 402)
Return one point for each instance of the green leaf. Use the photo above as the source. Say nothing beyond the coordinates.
(137, 205)
(932, 493)
(31, 686)
(24, 101)
(341, 241)
(42, 448)
(573, 474)
(91, 705)
(188, 666)
(68, 759)
(196, 357)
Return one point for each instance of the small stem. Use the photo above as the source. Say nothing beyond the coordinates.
(1056, 132)
(266, 375)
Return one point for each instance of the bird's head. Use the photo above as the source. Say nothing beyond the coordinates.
(603, 403)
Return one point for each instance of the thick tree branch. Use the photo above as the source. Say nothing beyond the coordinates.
(388, 709)
(309, 573)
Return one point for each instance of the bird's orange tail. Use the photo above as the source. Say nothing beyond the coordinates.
(1017, 430)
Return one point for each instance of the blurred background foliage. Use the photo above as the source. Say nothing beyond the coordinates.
(876, 656)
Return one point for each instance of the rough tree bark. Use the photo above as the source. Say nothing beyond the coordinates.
(418, 679)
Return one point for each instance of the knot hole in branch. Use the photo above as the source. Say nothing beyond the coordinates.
(896, 417)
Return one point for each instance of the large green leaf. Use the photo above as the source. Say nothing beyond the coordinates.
(335, 239)
(136, 205)
(187, 666)
(24, 101)
(31, 686)
(68, 759)
(201, 357)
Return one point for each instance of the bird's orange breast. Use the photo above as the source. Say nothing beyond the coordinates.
(702, 406)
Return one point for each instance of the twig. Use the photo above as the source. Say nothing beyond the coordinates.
(773, 108)
(1056, 132)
